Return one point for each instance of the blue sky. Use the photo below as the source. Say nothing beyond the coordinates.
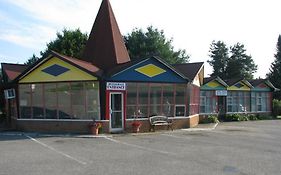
(27, 25)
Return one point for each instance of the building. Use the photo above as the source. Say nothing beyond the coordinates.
(221, 97)
(60, 93)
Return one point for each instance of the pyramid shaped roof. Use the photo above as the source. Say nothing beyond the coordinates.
(105, 47)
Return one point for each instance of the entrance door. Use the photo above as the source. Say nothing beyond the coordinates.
(221, 106)
(116, 112)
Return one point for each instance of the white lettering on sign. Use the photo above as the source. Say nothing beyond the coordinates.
(115, 86)
(221, 93)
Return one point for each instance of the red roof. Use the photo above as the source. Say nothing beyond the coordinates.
(13, 70)
(105, 47)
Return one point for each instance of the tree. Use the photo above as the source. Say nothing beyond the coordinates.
(240, 64)
(153, 42)
(68, 42)
(231, 63)
(275, 69)
(219, 54)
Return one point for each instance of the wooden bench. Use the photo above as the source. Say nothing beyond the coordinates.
(160, 121)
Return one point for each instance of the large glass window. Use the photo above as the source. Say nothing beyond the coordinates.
(64, 100)
(260, 101)
(144, 99)
(238, 101)
(50, 92)
(71, 100)
(37, 101)
(25, 101)
(131, 100)
(78, 100)
(208, 102)
(143, 90)
(92, 100)
(155, 99)
(168, 99)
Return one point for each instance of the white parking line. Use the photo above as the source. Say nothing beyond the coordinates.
(57, 151)
(139, 147)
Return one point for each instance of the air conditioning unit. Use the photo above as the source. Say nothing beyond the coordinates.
(10, 93)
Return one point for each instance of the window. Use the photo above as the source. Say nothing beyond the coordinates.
(260, 101)
(179, 110)
(50, 93)
(64, 100)
(168, 99)
(37, 101)
(202, 104)
(72, 100)
(92, 100)
(143, 89)
(131, 100)
(25, 101)
(155, 99)
(78, 100)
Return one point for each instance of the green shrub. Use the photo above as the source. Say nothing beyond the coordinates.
(252, 117)
(243, 118)
(264, 117)
(210, 119)
(276, 104)
(236, 117)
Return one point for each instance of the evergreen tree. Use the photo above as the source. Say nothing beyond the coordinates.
(274, 74)
(219, 54)
(231, 63)
(240, 64)
(153, 42)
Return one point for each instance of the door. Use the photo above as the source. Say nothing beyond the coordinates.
(116, 112)
(221, 106)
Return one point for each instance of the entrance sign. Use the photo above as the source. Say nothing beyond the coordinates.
(115, 86)
(221, 92)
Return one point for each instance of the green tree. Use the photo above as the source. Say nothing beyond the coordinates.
(240, 64)
(231, 63)
(219, 58)
(68, 42)
(275, 69)
(142, 44)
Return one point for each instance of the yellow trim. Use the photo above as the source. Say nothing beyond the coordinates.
(213, 84)
(243, 88)
(74, 74)
(150, 70)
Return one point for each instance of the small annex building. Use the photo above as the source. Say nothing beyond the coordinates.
(60, 93)
(221, 97)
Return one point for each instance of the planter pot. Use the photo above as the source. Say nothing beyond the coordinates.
(95, 130)
(136, 128)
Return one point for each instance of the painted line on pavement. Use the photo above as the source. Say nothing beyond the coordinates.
(201, 129)
(139, 147)
(57, 151)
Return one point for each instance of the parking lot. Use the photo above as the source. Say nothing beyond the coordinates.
(231, 148)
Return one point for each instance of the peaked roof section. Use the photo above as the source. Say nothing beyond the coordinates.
(142, 63)
(209, 79)
(83, 65)
(190, 70)
(105, 47)
(13, 70)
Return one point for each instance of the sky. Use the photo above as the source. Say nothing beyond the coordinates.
(27, 25)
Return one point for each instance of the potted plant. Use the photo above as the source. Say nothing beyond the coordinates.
(94, 127)
(136, 126)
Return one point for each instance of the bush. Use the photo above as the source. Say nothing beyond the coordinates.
(252, 117)
(232, 117)
(236, 117)
(210, 119)
(264, 117)
(276, 104)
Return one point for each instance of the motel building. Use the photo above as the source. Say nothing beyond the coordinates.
(63, 94)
